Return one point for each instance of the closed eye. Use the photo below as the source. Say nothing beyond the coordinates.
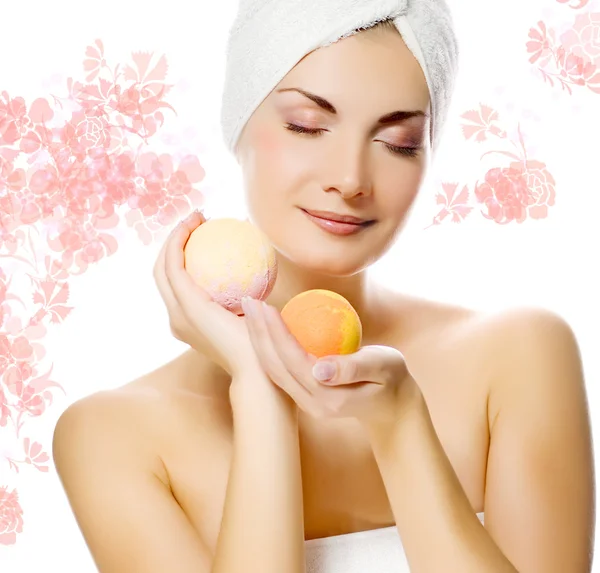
(315, 132)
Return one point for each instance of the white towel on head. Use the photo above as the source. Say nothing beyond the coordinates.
(269, 37)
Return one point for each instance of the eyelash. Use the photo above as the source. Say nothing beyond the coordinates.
(406, 151)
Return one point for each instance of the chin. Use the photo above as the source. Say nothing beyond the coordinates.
(318, 257)
(336, 267)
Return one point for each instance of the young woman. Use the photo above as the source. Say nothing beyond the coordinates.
(235, 457)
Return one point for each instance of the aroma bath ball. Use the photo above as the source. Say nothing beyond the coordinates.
(230, 259)
(323, 322)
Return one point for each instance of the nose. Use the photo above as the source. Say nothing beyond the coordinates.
(348, 171)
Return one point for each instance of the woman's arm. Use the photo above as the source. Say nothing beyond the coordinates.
(539, 499)
(435, 520)
(262, 530)
(125, 511)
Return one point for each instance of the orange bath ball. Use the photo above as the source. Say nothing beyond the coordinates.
(230, 259)
(323, 322)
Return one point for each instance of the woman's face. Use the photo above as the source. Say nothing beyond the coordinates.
(346, 167)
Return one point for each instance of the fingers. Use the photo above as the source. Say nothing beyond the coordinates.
(185, 291)
(268, 356)
(289, 351)
(161, 278)
(194, 220)
(191, 221)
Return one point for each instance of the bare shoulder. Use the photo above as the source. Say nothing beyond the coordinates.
(516, 343)
(540, 470)
(513, 330)
(524, 320)
(120, 420)
(148, 415)
(109, 450)
(496, 350)
(528, 339)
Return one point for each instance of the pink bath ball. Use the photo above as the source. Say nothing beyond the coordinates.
(230, 259)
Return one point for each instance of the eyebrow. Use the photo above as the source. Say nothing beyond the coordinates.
(393, 117)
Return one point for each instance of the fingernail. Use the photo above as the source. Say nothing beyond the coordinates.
(324, 371)
(269, 312)
(248, 306)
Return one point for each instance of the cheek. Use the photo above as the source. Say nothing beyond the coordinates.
(267, 142)
(260, 170)
(276, 161)
(412, 184)
(270, 162)
(403, 188)
(265, 174)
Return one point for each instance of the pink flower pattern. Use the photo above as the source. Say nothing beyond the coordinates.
(517, 192)
(571, 58)
(59, 210)
(11, 516)
(524, 190)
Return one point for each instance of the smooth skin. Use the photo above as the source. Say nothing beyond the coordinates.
(492, 417)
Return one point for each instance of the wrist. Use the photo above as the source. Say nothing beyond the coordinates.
(408, 402)
(253, 390)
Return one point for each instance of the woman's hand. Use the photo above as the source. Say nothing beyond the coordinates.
(372, 384)
(194, 317)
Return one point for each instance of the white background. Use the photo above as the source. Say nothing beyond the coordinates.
(118, 328)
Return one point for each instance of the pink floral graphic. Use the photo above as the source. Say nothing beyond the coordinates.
(573, 59)
(583, 39)
(34, 455)
(72, 170)
(454, 205)
(514, 193)
(11, 516)
(541, 188)
(575, 4)
(523, 190)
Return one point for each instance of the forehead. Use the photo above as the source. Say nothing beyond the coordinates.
(378, 66)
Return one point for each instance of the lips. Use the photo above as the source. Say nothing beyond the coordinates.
(336, 217)
(337, 224)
